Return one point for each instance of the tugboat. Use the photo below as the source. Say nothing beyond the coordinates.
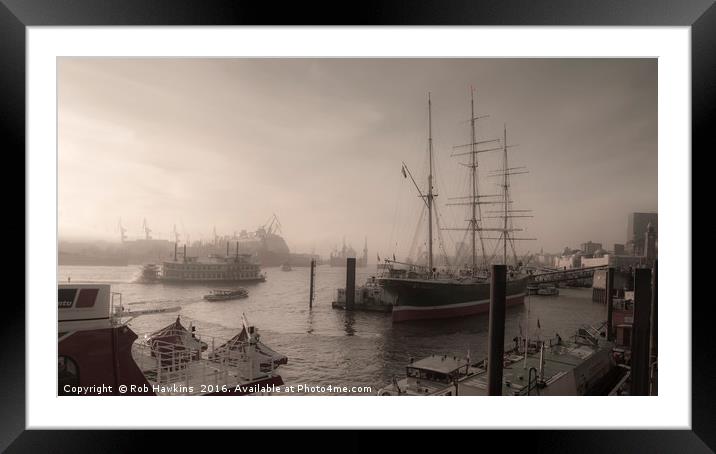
(582, 366)
(369, 297)
(229, 294)
(97, 350)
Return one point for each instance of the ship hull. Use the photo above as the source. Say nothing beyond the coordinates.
(417, 299)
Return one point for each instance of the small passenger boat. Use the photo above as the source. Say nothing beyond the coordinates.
(223, 295)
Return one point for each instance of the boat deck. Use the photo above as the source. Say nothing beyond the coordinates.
(571, 368)
(177, 369)
(559, 361)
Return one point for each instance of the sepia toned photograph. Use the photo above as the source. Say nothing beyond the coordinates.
(357, 226)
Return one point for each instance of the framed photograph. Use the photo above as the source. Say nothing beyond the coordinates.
(451, 207)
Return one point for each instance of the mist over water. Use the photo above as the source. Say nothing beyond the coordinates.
(326, 346)
(198, 143)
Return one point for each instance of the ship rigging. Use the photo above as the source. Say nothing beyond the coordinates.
(423, 292)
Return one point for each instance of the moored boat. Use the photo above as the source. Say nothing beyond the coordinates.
(421, 291)
(98, 353)
(368, 297)
(430, 298)
(583, 365)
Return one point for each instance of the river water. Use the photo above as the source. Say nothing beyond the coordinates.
(326, 346)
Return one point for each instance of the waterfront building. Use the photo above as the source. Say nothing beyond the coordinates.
(637, 224)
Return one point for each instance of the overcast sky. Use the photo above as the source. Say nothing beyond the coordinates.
(227, 142)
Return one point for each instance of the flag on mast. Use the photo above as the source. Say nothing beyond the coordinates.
(378, 257)
(402, 169)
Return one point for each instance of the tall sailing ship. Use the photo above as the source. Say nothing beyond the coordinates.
(421, 292)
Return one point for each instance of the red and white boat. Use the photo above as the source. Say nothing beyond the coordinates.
(98, 353)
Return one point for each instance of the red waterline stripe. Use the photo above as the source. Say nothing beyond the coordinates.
(431, 313)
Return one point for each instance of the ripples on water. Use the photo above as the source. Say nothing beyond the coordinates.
(328, 346)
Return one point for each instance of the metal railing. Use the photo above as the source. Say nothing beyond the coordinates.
(187, 361)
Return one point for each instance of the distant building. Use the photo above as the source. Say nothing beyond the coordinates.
(590, 248)
(650, 244)
(619, 249)
(620, 262)
(637, 224)
(569, 260)
(545, 259)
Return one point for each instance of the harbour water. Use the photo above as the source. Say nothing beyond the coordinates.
(326, 346)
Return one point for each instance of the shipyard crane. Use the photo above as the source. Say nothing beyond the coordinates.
(273, 225)
(146, 229)
(122, 231)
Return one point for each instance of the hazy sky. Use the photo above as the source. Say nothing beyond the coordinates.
(227, 142)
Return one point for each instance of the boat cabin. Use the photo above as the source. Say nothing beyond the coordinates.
(430, 375)
(97, 350)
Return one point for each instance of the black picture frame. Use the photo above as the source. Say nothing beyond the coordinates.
(700, 15)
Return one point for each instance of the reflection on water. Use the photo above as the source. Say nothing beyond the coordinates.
(349, 321)
(328, 346)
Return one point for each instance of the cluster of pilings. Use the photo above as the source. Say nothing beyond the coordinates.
(644, 339)
(350, 283)
(644, 336)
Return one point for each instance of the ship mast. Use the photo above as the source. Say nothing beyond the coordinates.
(428, 197)
(474, 197)
(473, 221)
(506, 213)
(505, 194)
(430, 185)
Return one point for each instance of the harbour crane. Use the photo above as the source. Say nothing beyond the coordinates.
(122, 231)
(146, 229)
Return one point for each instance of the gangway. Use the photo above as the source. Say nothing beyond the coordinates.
(572, 274)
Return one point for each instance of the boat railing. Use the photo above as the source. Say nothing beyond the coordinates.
(195, 360)
(589, 334)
